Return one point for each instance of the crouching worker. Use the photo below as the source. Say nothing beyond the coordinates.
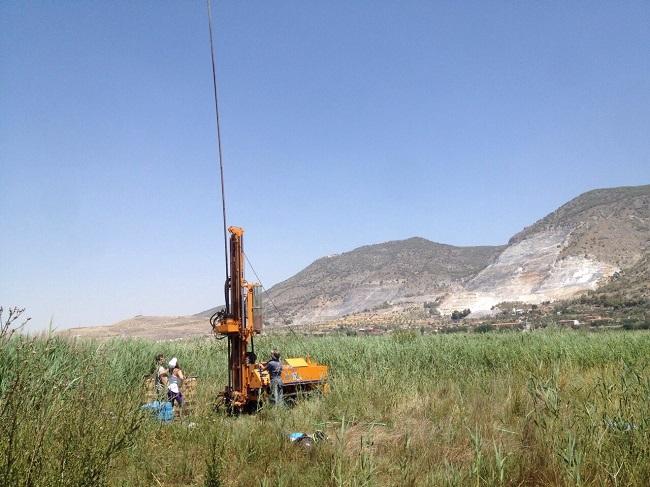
(175, 382)
(159, 406)
(160, 377)
(274, 367)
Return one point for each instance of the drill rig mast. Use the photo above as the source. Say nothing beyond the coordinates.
(239, 322)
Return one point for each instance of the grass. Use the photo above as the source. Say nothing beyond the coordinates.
(542, 408)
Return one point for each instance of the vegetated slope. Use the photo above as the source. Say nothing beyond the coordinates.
(374, 276)
(573, 249)
(630, 285)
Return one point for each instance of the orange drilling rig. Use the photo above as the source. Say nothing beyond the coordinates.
(239, 322)
(241, 319)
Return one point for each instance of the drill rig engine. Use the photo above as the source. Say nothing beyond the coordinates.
(239, 322)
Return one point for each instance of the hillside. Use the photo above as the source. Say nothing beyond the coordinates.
(575, 248)
(374, 276)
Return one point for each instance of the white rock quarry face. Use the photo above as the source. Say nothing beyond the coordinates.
(530, 271)
(573, 274)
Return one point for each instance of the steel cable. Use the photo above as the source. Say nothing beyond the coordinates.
(216, 110)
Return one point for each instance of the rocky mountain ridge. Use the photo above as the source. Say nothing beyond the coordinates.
(610, 225)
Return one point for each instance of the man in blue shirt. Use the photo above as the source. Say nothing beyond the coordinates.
(274, 366)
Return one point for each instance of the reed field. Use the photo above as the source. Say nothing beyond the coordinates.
(547, 407)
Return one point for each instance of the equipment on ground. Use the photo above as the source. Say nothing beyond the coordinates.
(239, 322)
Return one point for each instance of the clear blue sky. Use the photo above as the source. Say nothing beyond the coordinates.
(344, 124)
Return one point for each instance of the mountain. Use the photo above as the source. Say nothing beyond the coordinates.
(575, 248)
(598, 242)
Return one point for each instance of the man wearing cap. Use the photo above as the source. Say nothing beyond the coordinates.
(274, 367)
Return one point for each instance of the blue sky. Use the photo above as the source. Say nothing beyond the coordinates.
(344, 124)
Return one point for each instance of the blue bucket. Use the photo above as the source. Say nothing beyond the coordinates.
(163, 410)
(166, 412)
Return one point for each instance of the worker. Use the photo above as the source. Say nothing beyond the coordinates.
(160, 375)
(274, 367)
(175, 382)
